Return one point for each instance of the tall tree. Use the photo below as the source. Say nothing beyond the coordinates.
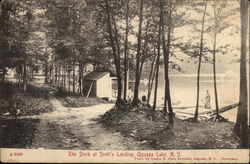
(115, 52)
(157, 65)
(240, 127)
(166, 52)
(137, 75)
(199, 65)
(126, 53)
(219, 23)
(214, 62)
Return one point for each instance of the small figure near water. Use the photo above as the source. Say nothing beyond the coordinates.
(207, 101)
(129, 95)
(144, 99)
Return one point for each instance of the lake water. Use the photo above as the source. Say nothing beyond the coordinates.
(183, 88)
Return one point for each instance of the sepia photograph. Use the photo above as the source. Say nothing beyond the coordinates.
(124, 81)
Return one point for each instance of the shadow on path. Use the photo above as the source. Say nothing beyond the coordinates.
(64, 128)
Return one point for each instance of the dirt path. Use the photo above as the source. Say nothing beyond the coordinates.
(73, 128)
(83, 124)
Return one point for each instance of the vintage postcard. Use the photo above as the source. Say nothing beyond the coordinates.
(124, 81)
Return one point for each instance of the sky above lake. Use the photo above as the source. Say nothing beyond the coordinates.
(230, 36)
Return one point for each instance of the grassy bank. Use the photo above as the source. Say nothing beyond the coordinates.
(137, 123)
(68, 99)
(77, 101)
(14, 101)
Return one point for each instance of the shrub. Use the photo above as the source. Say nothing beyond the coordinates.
(34, 100)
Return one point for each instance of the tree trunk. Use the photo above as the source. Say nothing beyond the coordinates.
(59, 74)
(151, 78)
(56, 74)
(4, 74)
(116, 58)
(74, 77)
(18, 71)
(166, 51)
(137, 76)
(141, 66)
(116, 39)
(156, 80)
(51, 76)
(199, 66)
(248, 75)
(3, 77)
(19, 81)
(69, 78)
(119, 80)
(24, 76)
(144, 52)
(126, 55)
(46, 72)
(80, 79)
(64, 77)
(214, 64)
(157, 61)
(241, 123)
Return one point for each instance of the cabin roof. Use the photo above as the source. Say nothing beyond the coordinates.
(95, 75)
